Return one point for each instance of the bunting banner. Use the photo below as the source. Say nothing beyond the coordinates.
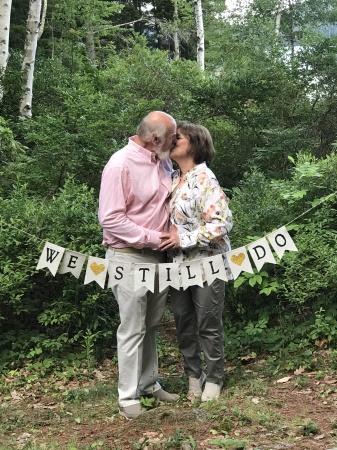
(169, 276)
(214, 268)
(281, 241)
(119, 274)
(261, 253)
(238, 261)
(50, 257)
(96, 270)
(144, 276)
(177, 275)
(72, 262)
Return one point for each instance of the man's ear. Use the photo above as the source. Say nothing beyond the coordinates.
(156, 139)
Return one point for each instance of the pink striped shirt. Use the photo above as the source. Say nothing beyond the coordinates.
(134, 198)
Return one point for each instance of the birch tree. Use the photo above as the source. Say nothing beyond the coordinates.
(5, 16)
(200, 34)
(28, 64)
(176, 40)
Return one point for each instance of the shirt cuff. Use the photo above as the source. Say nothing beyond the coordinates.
(154, 240)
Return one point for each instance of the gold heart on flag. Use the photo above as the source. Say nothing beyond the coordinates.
(97, 268)
(238, 259)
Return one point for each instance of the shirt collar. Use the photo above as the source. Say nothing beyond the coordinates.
(145, 153)
(195, 170)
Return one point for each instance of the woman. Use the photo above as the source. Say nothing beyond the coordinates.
(200, 216)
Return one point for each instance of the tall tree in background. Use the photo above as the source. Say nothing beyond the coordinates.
(200, 34)
(176, 40)
(5, 16)
(28, 64)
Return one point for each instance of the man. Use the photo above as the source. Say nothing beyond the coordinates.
(133, 212)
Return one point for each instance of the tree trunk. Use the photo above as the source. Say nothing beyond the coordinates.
(5, 17)
(200, 34)
(90, 43)
(32, 32)
(176, 41)
(43, 18)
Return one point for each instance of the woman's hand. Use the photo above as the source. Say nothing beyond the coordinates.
(169, 240)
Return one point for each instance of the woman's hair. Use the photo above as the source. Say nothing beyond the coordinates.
(201, 144)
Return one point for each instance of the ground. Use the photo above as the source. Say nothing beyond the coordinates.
(293, 410)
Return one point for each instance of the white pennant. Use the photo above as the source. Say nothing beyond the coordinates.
(260, 252)
(191, 274)
(281, 241)
(238, 261)
(72, 262)
(50, 257)
(120, 273)
(144, 276)
(169, 276)
(214, 268)
(96, 271)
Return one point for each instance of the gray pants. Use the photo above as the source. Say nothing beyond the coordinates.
(198, 316)
(140, 313)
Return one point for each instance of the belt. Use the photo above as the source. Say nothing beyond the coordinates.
(135, 251)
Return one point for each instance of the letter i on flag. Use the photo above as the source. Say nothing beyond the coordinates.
(169, 276)
(50, 257)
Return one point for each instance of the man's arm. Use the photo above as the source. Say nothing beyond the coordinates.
(112, 213)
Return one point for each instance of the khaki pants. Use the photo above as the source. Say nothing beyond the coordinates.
(198, 316)
(140, 314)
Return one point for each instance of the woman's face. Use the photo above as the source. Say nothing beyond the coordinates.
(180, 150)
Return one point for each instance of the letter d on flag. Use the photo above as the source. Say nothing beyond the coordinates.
(50, 257)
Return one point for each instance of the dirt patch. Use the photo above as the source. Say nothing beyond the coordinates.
(254, 412)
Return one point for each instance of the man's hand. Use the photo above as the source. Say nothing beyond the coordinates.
(169, 240)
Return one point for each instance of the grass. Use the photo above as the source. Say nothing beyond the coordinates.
(82, 414)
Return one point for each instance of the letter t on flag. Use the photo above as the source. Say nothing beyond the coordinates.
(50, 257)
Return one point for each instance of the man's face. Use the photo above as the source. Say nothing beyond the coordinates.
(163, 150)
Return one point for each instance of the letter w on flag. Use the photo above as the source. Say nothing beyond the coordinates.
(50, 257)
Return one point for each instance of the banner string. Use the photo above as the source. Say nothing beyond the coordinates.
(313, 207)
(289, 223)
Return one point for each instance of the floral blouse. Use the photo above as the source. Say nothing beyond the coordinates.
(199, 212)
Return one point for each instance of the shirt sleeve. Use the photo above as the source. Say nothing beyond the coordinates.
(215, 217)
(113, 199)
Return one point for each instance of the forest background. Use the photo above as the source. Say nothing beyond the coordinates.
(267, 91)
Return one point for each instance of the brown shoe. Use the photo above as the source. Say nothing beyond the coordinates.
(131, 412)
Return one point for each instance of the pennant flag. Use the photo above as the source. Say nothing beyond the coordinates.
(191, 274)
(169, 276)
(119, 273)
(72, 262)
(214, 268)
(238, 261)
(260, 252)
(50, 257)
(281, 241)
(96, 271)
(144, 276)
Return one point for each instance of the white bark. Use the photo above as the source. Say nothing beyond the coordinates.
(32, 34)
(90, 42)
(278, 17)
(43, 18)
(176, 40)
(5, 18)
(200, 34)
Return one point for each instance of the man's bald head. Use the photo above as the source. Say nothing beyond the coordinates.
(157, 130)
